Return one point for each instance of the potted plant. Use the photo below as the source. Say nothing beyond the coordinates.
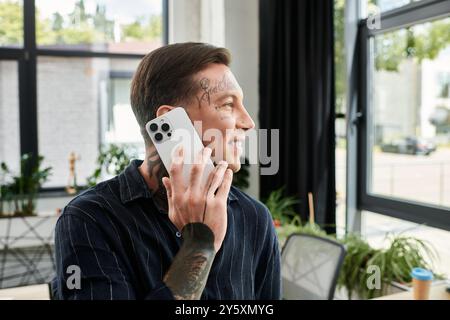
(281, 207)
(17, 197)
(112, 160)
(394, 262)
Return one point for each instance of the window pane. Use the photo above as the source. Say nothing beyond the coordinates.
(9, 116)
(11, 23)
(99, 25)
(377, 6)
(340, 87)
(121, 123)
(409, 120)
(80, 106)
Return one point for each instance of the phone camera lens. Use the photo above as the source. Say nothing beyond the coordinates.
(153, 127)
(158, 136)
(165, 127)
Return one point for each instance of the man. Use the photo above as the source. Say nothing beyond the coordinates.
(145, 234)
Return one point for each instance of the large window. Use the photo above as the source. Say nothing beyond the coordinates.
(410, 157)
(65, 85)
(404, 167)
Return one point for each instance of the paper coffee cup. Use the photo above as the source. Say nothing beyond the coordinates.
(421, 279)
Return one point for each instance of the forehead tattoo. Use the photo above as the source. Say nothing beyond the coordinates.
(208, 89)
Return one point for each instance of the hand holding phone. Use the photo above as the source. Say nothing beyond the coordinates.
(197, 202)
(174, 129)
(196, 190)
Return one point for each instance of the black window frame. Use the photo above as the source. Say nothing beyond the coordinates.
(27, 55)
(412, 14)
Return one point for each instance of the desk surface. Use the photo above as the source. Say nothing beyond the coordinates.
(437, 292)
(41, 292)
(35, 292)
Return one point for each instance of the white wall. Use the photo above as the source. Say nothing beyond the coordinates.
(229, 23)
(9, 115)
(197, 20)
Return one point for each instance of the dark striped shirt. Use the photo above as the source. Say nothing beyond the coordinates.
(124, 245)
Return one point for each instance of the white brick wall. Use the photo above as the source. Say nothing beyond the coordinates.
(9, 114)
(69, 103)
(67, 115)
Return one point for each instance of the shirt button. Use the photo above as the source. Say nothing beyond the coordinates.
(178, 234)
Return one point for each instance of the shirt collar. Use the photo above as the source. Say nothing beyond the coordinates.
(133, 185)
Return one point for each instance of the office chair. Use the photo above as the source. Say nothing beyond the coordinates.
(310, 267)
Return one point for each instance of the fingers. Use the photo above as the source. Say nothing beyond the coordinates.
(176, 169)
(224, 188)
(167, 185)
(217, 177)
(198, 167)
(210, 178)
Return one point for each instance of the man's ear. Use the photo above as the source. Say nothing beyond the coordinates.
(163, 109)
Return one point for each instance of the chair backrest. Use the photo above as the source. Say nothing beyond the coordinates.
(310, 267)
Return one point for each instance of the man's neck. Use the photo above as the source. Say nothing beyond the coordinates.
(152, 170)
(150, 180)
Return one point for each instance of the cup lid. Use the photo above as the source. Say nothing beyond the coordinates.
(422, 274)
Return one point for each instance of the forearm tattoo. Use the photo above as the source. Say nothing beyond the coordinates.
(187, 275)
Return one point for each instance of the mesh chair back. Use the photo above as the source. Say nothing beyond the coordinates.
(310, 266)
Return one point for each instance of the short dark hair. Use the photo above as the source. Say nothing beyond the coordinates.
(166, 76)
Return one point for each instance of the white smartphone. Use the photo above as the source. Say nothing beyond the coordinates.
(169, 131)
